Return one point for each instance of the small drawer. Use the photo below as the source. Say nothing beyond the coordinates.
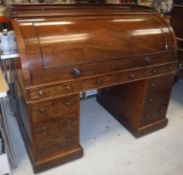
(114, 79)
(54, 108)
(153, 99)
(55, 127)
(45, 148)
(53, 91)
(165, 69)
(161, 84)
(153, 114)
(158, 90)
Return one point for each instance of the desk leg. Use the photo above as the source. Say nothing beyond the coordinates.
(140, 106)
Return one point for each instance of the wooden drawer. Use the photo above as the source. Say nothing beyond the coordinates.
(152, 114)
(54, 108)
(53, 91)
(53, 128)
(46, 148)
(114, 79)
(158, 90)
(165, 69)
(160, 84)
(153, 99)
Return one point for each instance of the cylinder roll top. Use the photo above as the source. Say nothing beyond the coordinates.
(54, 44)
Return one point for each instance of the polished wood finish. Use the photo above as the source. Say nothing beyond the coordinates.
(177, 23)
(127, 52)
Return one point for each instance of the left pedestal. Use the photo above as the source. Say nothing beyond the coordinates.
(51, 130)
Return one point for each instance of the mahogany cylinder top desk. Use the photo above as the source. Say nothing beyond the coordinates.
(128, 53)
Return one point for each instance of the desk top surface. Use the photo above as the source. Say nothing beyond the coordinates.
(3, 85)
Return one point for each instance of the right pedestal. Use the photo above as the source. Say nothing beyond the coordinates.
(140, 106)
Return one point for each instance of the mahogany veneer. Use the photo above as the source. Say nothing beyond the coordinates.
(127, 52)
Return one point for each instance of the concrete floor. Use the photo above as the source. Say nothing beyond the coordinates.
(110, 149)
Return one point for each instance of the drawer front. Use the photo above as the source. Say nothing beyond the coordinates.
(46, 148)
(57, 108)
(153, 114)
(160, 84)
(158, 90)
(114, 79)
(165, 69)
(53, 91)
(55, 127)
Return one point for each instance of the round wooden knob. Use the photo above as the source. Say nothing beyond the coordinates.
(150, 100)
(42, 110)
(68, 104)
(76, 72)
(41, 93)
(44, 128)
(161, 111)
(153, 84)
(148, 60)
(68, 121)
(155, 71)
(132, 76)
(45, 147)
(69, 140)
(147, 116)
(99, 81)
(68, 88)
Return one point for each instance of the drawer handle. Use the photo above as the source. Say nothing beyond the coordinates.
(155, 71)
(69, 140)
(45, 147)
(68, 121)
(150, 100)
(147, 116)
(99, 81)
(41, 93)
(153, 85)
(161, 111)
(42, 110)
(44, 129)
(132, 76)
(76, 72)
(68, 88)
(148, 60)
(68, 104)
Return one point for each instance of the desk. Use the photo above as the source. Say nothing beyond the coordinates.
(128, 53)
